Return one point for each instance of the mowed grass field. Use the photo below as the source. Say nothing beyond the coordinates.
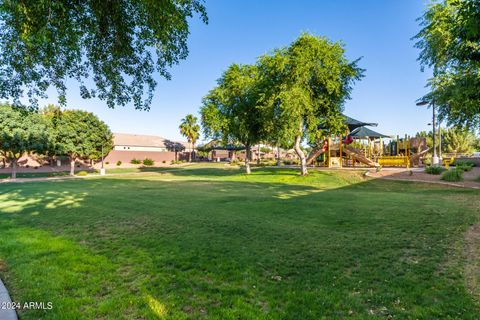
(212, 243)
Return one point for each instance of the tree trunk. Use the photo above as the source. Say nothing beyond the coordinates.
(190, 153)
(258, 154)
(301, 155)
(72, 166)
(193, 151)
(14, 168)
(278, 156)
(247, 158)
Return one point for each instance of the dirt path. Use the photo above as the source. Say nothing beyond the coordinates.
(419, 175)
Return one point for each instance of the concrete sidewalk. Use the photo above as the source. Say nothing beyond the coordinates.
(5, 301)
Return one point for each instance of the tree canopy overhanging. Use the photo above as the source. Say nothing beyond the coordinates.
(111, 48)
(450, 44)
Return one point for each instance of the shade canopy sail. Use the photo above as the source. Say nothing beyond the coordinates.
(352, 124)
(363, 132)
(217, 145)
(229, 147)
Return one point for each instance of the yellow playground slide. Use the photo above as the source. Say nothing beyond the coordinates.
(358, 157)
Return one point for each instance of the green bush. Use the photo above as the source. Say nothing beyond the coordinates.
(477, 179)
(464, 163)
(119, 163)
(81, 173)
(135, 161)
(234, 162)
(434, 169)
(289, 162)
(464, 167)
(148, 162)
(453, 175)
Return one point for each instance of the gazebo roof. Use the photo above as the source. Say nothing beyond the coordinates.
(363, 132)
(352, 124)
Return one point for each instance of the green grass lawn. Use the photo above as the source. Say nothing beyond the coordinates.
(212, 243)
(35, 174)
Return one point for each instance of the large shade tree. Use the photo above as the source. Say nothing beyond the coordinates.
(450, 44)
(232, 112)
(80, 134)
(190, 129)
(111, 48)
(21, 132)
(307, 83)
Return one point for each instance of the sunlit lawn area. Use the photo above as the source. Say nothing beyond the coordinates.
(212, 243)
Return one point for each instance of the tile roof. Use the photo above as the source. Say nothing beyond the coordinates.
(139, 140)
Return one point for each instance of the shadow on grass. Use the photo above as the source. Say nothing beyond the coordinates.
(237, 249)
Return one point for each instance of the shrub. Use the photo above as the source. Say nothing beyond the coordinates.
(463, 163)
(119, 163)
(464, 167)
(289, 162)
(135, 161)
(434, 169)
(164, 161)
(234, 162)
(81, 173)
(477, 179)
(148, 162)
(107, 162)
(453, 175)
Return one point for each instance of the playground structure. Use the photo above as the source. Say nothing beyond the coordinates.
(361, 146)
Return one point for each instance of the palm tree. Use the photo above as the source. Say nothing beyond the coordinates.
(191, 130)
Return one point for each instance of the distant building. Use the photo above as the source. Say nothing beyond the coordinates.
(135, 146)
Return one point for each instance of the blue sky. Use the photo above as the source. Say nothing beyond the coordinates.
(239, 31)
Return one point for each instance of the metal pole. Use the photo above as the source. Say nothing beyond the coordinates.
(434, 124)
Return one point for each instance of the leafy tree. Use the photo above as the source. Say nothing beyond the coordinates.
(21, 132)
(191, 130)
(457, 140)
(120, 44)
(450, 43)
(81, 134)
(51, 114)
(428, 137)
(454, 140)
(307, 81)
(231, 111)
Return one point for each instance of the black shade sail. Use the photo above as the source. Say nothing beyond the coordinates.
(352, 124)
(363, 132)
